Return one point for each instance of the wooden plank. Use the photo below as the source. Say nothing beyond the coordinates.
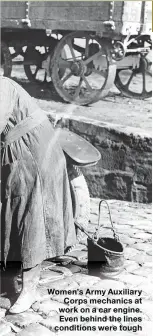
(11, 23)
(13, 12)
(118, 11)
(68, 25)
(64, 26)
(69, 4)
(94, 26)
(73, 13)
(7, 4)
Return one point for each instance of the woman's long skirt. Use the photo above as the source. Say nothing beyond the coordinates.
(36, 217)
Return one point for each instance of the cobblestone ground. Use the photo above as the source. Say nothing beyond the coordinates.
(133, 224)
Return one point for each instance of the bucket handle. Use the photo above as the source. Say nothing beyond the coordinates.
(96, 235)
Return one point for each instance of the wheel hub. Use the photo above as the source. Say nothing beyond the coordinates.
(78, 68)
(118, 51)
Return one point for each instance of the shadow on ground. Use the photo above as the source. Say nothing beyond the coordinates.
(46, 91)
(42, 91)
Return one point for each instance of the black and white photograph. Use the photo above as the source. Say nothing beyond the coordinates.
(76, 168)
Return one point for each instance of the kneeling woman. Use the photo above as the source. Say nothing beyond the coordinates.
(36, 215)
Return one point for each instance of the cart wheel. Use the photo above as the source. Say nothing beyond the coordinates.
(89, 68)
(6, 60)
(136, 83)
(35, 72)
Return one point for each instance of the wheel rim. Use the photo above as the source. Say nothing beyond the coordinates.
(136, 83)
(89, 72)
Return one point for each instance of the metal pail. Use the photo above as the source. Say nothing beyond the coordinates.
(105, 255)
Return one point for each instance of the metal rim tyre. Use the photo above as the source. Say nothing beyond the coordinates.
(89, 68)
(6, 60)
(80, 200)
(135, 83)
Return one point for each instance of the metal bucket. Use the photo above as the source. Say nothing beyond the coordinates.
(105, 255)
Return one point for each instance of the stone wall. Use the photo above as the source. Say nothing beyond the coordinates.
(124, 171)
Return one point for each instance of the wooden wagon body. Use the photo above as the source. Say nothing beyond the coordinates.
(113, 38)
(78, 15)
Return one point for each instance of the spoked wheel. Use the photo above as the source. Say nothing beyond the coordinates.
(89, 69)
(136, 83)
(6, 60)
(35, 72)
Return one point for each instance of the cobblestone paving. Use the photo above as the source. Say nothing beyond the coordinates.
(133, 224)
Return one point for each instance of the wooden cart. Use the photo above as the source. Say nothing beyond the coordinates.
(83, 47)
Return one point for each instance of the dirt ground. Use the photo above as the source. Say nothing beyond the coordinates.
(114, 109)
